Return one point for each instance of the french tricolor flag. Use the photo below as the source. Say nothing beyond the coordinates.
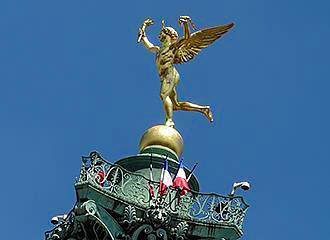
(180, 180)
(165, 180)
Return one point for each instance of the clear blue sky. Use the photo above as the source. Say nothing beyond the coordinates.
(73, 80)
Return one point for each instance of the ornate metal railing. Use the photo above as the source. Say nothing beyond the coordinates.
(135, 189)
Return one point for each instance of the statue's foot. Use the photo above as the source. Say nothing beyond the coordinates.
(208, 113)
(169, 123)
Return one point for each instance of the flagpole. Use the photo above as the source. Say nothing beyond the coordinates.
(150, 168)
(192, 171)
(151, 187)
(169, 187)
(162, 175)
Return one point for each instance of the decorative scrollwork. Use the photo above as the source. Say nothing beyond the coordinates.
(161, 233)
(146, 231)
(90, 207)
(83, 222)
(179, 232)
(157, 214)
(130, 218)
(86, 208)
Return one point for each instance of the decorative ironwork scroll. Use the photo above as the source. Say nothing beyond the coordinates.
(83, 222)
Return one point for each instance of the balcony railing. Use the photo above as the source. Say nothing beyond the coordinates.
(134, 189)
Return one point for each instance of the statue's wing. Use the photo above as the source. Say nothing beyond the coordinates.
(187, 49)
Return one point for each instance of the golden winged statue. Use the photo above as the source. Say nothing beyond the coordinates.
(177, 50)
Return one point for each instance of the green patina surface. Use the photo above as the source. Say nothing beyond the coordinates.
(113, 202)
(161, 151)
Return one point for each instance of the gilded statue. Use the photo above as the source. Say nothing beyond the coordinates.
(177, 50)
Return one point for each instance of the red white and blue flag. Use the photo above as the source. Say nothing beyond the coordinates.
(180, 180)
(151, 186)
(165, 180)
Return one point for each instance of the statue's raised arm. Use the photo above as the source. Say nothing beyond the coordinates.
(177, 50)
(142, 36)
(191, 44)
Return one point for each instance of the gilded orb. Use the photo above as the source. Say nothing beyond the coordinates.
(162, 136)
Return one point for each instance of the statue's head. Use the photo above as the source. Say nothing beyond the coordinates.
(168, 34)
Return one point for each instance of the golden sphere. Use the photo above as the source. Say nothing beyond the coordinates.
(163, 137)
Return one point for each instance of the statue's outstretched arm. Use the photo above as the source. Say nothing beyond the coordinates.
(184, 20)
(149, 45)
(143, 36)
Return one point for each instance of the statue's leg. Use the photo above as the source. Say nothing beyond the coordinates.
(187, 106)
(166, 89)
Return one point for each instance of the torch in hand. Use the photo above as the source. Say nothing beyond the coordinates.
(148, 22)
